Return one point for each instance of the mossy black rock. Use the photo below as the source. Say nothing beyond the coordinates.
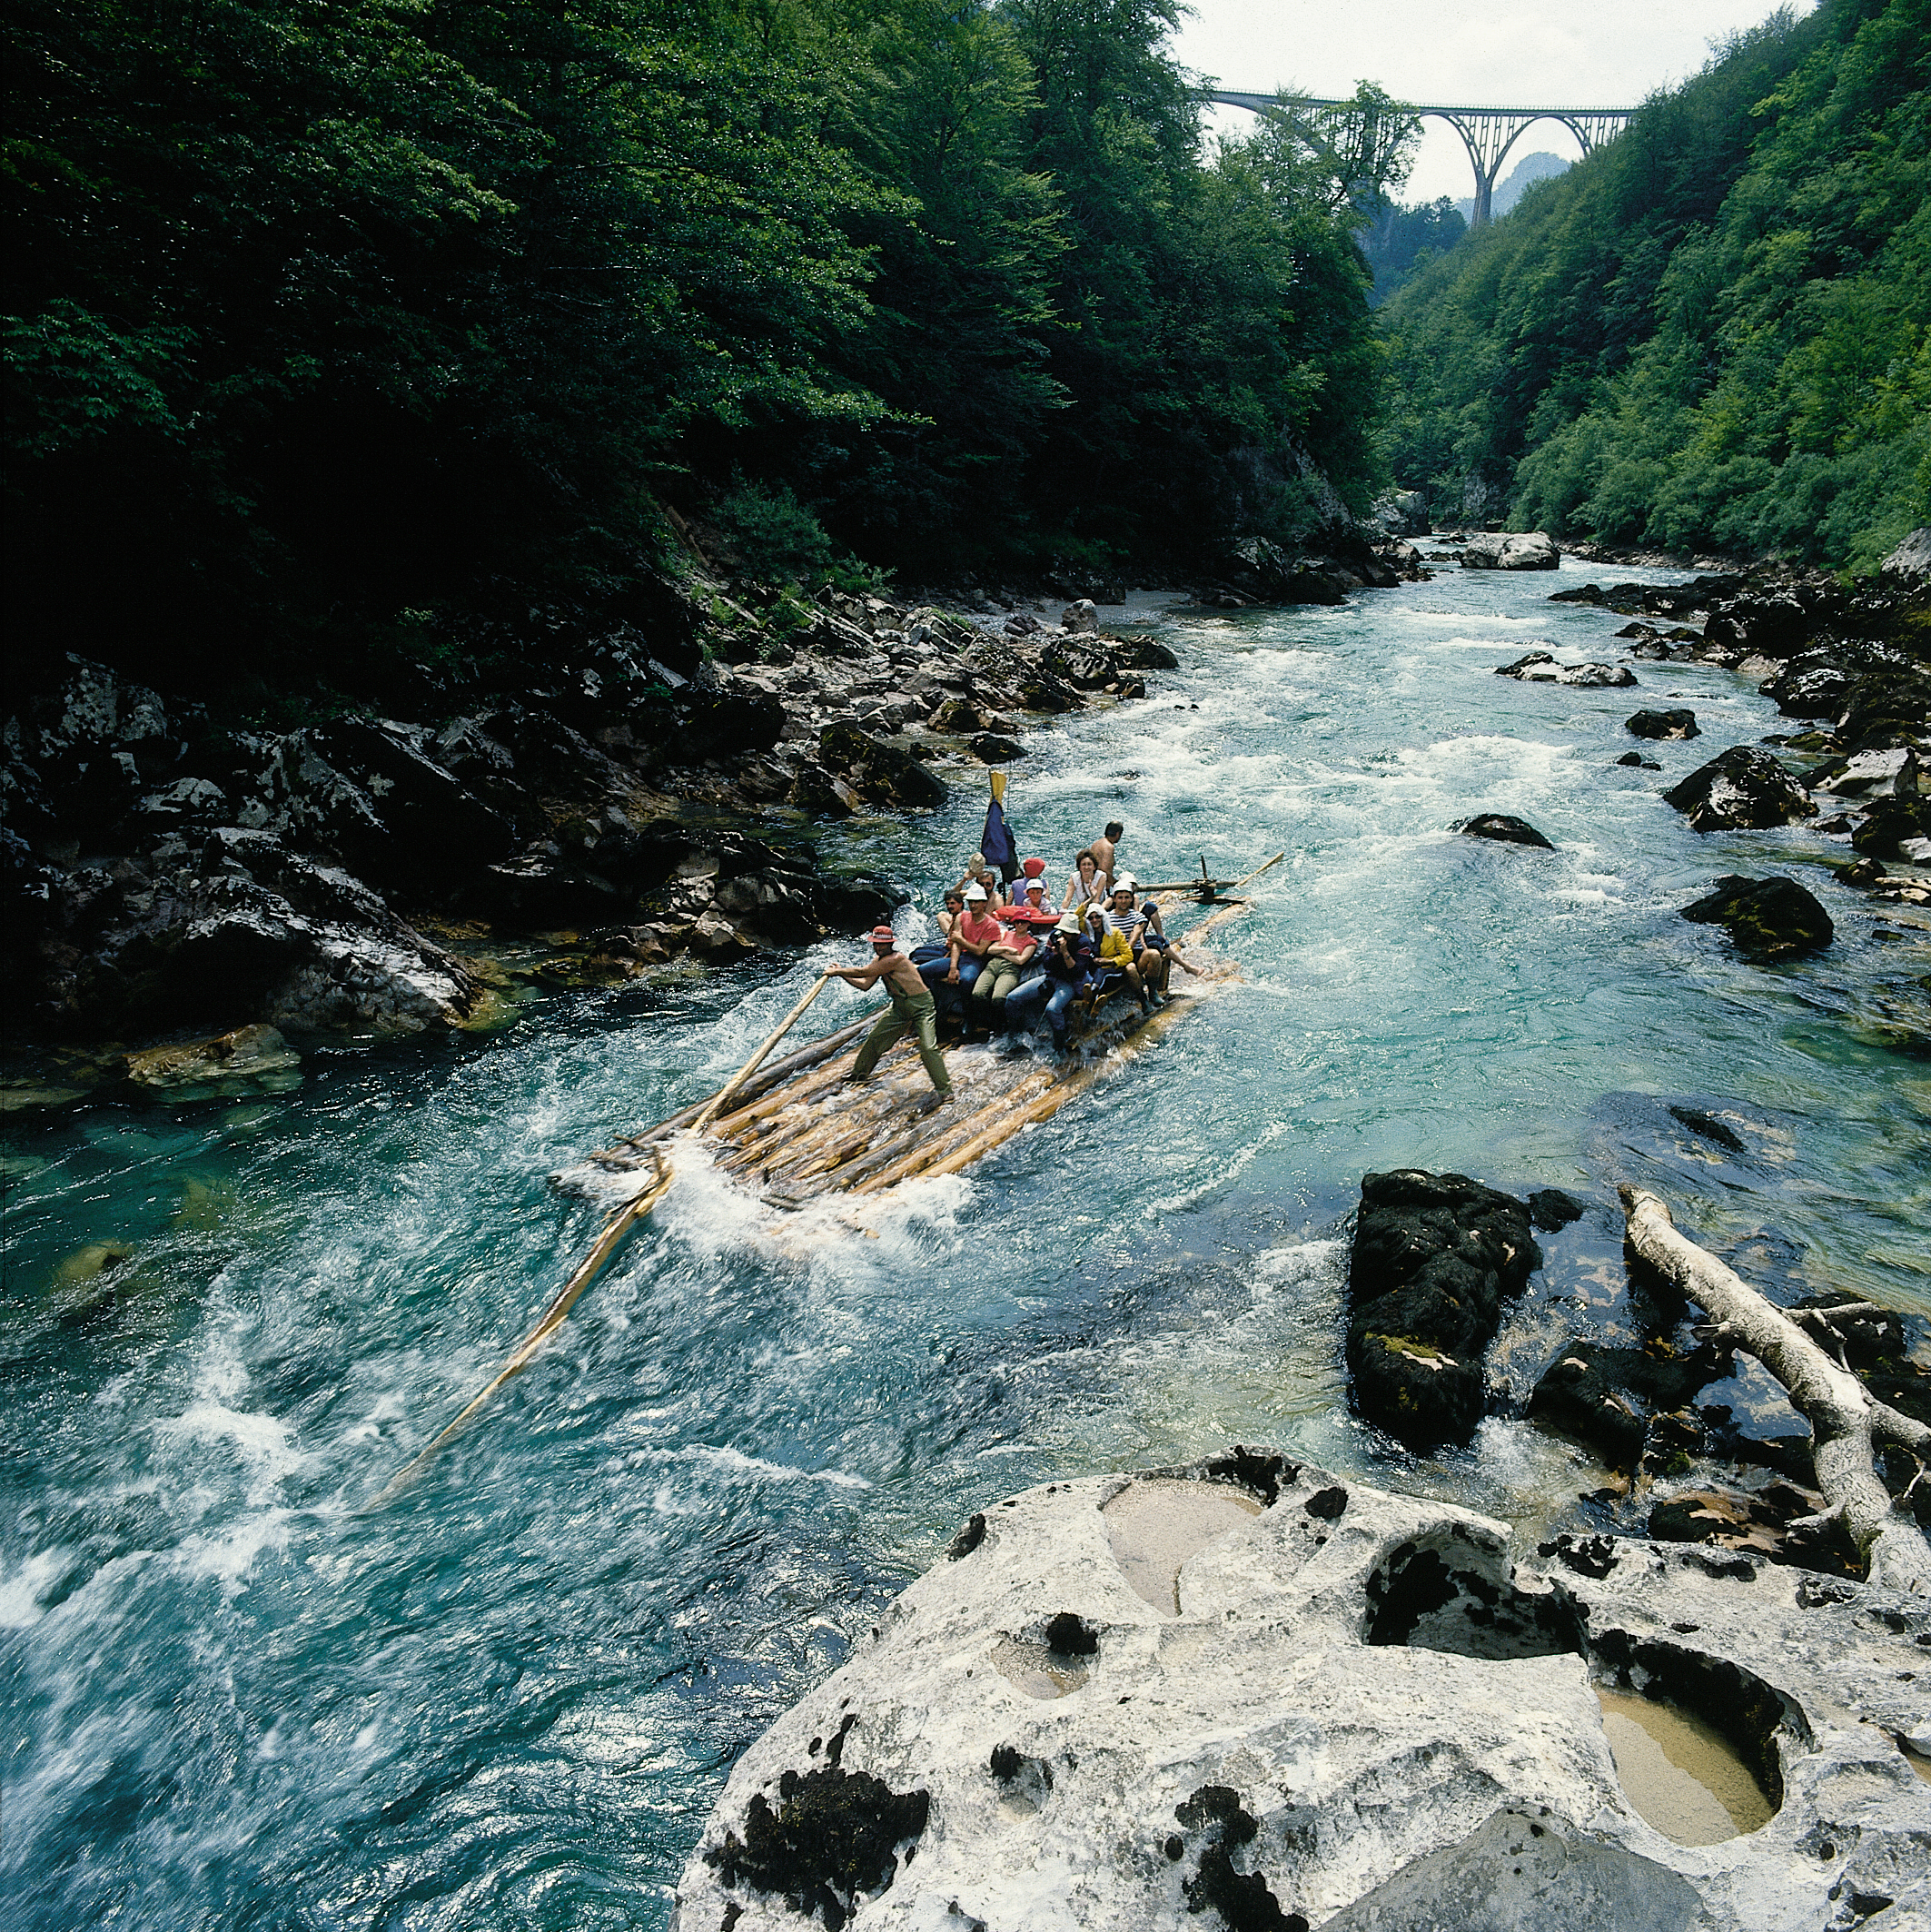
(1891, 821)
(1502, 827)
(1434, 1257)
(1607, 1397)
(1743, 788)
(1678, 723)
(831, 1842)
(1768, 918)
(880, 772)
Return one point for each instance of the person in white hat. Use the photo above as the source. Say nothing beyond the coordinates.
(1032, 903)
(974, 933)
(1120, 925)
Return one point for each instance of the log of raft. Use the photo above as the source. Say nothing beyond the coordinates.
(1843, 1413)
(615, 1227)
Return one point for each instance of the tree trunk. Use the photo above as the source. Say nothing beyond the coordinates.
(1843, 1414)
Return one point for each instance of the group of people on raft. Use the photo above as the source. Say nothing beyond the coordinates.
(1007, 957)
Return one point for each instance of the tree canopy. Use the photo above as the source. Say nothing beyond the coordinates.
(326, 315)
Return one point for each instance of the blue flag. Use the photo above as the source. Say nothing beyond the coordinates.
(996, 843)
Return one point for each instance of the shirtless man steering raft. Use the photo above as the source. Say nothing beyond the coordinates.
(912, 1011)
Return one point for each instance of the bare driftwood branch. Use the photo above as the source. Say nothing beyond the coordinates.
(1842, 1412)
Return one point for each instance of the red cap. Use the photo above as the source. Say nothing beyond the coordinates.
(1033, 867)
(884, 936)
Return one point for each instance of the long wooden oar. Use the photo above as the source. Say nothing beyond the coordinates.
(751, 1066)
(614, 1230)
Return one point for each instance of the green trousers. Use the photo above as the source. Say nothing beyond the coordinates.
(913, 1013)
(996, 978)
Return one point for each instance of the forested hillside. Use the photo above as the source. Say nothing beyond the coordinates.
(336, 321)
(1715, 331)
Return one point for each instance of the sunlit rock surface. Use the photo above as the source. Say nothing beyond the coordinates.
(1246, 1694)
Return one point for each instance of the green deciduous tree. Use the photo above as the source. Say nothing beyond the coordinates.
(1714, 331)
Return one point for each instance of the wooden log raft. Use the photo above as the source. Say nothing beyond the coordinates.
(804, 1141)
(781, 1130)
(1843, 1414)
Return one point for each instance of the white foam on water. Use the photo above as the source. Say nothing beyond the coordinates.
(265, 1445)
(1450, 757)
(1225, 1171)
(1420, 614)
(1294, 1267)
(1471, 643)
(926, 1205)
(22, 1588)
(736, 1463)
(226, 1556)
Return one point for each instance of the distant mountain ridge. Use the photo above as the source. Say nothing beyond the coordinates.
(1530, 168)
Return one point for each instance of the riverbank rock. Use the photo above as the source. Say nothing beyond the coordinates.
(1681, 723)
(1246, 1693)
(990, 749)
(1500, 551)
(1400, 513)
(1744, 788)
(1502, 827)
(1434, 1257)
(249, 1060)
(1611, 1397)
(1768, 918)
(1910, 562)
(245, 924)
(1540, 667)
(876, 770)
(1263, 572)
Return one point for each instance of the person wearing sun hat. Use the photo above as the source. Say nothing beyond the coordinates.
(974, 933)
(1030, 907)
(1069, 959)
(1121, 924)
(912, 1011)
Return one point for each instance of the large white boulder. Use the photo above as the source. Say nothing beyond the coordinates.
(1910, 562)
(1500, 551)
(1251, 1690)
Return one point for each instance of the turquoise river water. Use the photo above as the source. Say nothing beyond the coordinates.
(234, 1698)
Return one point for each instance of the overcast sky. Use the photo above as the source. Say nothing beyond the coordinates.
(1556, 53)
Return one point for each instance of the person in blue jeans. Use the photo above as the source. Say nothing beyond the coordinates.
(1070, 960)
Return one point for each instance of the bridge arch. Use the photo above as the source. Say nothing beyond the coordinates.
(1486, 132)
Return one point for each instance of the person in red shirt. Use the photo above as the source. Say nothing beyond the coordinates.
(974, 933)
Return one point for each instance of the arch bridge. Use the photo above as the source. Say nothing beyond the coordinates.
(1487, 132)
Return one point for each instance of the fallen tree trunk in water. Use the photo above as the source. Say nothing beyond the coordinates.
(1843, 1414)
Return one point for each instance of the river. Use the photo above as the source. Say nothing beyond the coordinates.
(236, 1698)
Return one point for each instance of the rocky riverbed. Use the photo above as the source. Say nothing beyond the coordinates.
(656, 795)
(521, 1689)
(388, 875)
